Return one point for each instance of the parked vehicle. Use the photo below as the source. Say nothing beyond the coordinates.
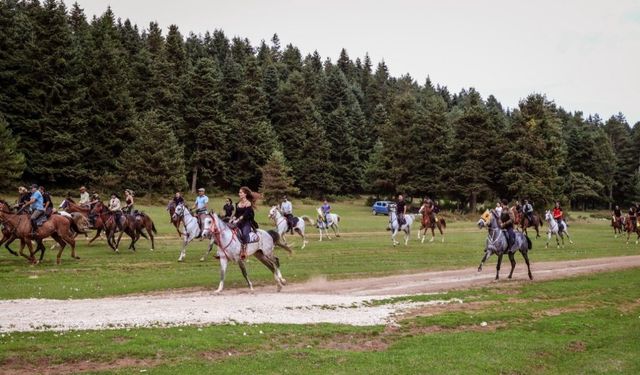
(381, 207)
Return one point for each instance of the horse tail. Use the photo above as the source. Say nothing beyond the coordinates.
(277, 240)
(338, 216)
(74, 226)
(540, 220)
(307, 219)
(529, 245)
(443, 223)
(153, 227)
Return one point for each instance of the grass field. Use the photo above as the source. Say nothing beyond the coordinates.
(583, 325)
(363, 250)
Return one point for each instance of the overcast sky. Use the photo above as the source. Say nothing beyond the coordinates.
(584, 55)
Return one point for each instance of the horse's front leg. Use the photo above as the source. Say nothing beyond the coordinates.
(486, 256)
(433, 234)
(498, 266)
(183, 251)
(223, 271)
(512, 259)
(98, 231)
(304, 238)
(546, 246)
(406, 236)
(205, 255)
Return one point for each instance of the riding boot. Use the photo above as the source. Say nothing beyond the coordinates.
(243, 251)
(34, 227)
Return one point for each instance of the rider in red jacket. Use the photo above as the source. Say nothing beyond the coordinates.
(558, 215)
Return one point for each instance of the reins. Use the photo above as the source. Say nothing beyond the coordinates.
(217, 235)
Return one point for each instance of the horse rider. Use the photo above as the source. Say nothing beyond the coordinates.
(287, 211)
(128, 200)
(24, 197)
(37, 207)
(507, 221)
(228, 210)
(84, 197)
(245, 218)
(401, 210)
(558, 216)
(177, 199)
(617, 215)
(633, 216)
(46, 199)
(115, 208)
(528, 210)
(428, 204)
(326, 210)
(499, 208)
(201, 206)
(95, 198)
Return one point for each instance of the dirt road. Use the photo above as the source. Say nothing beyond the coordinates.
(315, 301)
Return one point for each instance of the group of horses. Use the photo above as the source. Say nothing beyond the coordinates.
(625, 224)
(429, 222)
(63, 226)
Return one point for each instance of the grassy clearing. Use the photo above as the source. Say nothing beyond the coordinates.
(586, 324)
(364, 250)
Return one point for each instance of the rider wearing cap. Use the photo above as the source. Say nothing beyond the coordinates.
(84, 197)
(287, 211)
(201, 206)
(37, 206)
(116, 209)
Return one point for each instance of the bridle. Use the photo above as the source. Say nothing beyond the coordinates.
(218, 236)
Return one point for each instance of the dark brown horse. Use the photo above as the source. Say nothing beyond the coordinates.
(535, 222)
(630, 228)
(175, 220)
(108, 220)
(429, 221)
(60, 228)
(139, 223)
(618, 227)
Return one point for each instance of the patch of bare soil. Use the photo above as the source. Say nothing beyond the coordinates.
(21, 367)
(577, 346)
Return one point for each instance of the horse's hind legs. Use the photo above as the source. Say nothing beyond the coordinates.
(512, 259)
(243, 268)
(525, 255)
(223, 271)
(272, 265)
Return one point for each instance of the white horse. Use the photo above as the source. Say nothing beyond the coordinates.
(191, 230)
(406, 227)
(554, 229)
(229, 247)
(332, 221)
(281, 224)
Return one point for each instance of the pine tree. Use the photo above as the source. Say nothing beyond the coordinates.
(13, 163)
(626, 164)
(276, 180)
(154, 161)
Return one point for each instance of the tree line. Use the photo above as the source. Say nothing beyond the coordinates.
(106, 103)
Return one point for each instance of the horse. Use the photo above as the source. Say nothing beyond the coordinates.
(497, 243)
(628, 227)
(229, 247)
(535, 222)
(191, 230)
(406, 227)
(57, 226)
(555, 229)
(617, 224)
(332, 221)
(137, 223)
(7, 232)
(110, 227)
(281, 224)
(428, 222)
(171, 207)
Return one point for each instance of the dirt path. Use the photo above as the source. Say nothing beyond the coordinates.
(316, 301)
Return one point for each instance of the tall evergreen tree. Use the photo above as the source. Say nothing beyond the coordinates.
(276, 180)
(13, 163)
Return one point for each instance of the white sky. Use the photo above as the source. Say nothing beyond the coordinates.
(584, 55)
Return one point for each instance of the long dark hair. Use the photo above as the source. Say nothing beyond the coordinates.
(250, 196)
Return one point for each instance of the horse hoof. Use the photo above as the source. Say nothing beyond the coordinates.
(180, 260)
(283, 281)
(150, 249)
(76, 257)
(279, 288)
(202, 259)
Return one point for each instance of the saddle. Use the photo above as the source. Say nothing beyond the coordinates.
(41, 220)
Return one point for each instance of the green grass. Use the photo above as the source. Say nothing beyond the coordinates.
(364, 250)
(582, 325)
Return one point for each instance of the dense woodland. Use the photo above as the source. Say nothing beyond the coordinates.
(109, 104)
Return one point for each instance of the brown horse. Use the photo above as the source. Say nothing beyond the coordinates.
(7, 232)
(429, 221)
(58, 227)
(618, 226)
(175, 220)
(536, 222)
(138, 223)
(111, 227)
(629, 228)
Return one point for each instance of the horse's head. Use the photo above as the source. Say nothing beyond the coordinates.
(274, 212)
(179, 211)
(207, 225)
(98, 208)
(319, 211)
(485, 219)
(548, 216)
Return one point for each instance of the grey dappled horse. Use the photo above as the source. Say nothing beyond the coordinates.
(281, 224)
(393, 224)
(332, 221)
(497, 243)
(229, 247)
(555, 229)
